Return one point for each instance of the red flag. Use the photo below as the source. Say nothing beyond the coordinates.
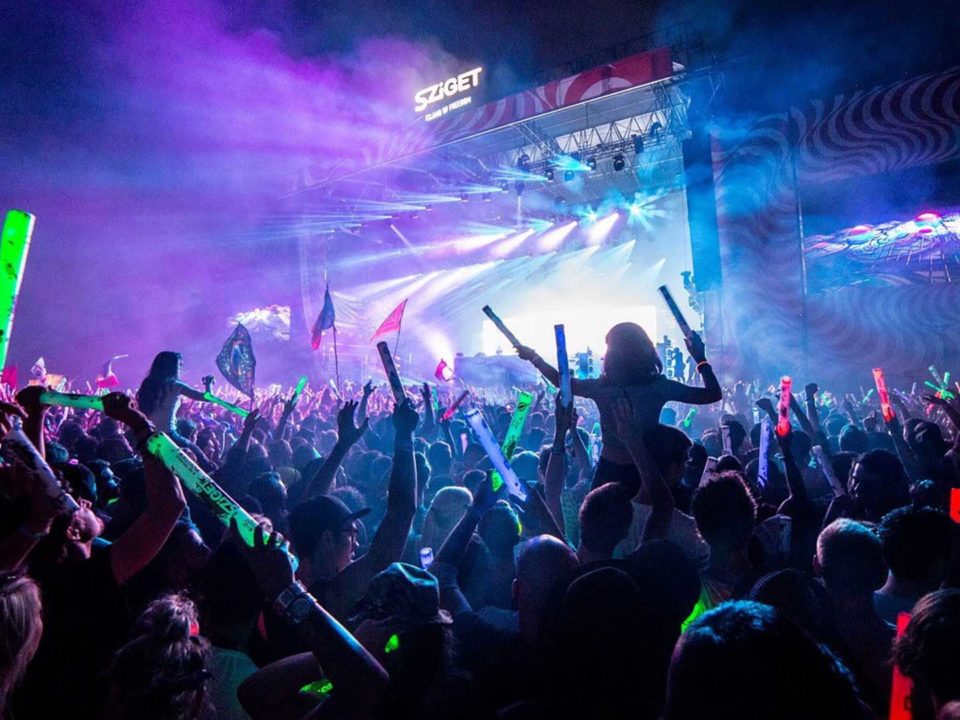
(392, 322)
(9, 377)
(106, 378)
(443, 372)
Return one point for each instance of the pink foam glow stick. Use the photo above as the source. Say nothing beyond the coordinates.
(783, 423)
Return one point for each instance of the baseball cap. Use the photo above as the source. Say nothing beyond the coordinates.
(310, 519)
(407, 595)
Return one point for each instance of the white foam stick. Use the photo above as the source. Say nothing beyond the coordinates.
(491, 447)
(709, 471)
(194, 479)
(727, 441)
(18, 446)
(827, 467)
(390, 368)
(763, 469)
(563, 367)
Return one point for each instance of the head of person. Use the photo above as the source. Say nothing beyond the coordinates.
(878, 484)
(544, 563)
(737, 640)
(725, 512)
(272, 496)
(927, 652)
(280, 454)
(853, 439)
(165, 368)
(162, 672)
(668, 449)
(21, 626)
(447, 507)
(324, 532)
(500, 529)
(799, 598)
(918, 544)
(738, 434)
(926, 440)
(631, 357)
(605, 517)
(440, 457)
(849, 559)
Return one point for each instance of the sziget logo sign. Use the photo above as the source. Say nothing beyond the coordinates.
(447, 89)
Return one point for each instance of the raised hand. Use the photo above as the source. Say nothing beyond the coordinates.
(486, 497)
(696, 348)
(250, 421)
(347, 431)
(811, 390)
(405, 418)
(116, 405)
(368, 388)
(766, 405)
(268, 559)
(526, 353)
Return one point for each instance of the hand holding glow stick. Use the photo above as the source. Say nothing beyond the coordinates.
(298, 390)
(763, 469)
(449, 412)
(494, 318)
(563, 367)
(885, 407)
(390, 368)
(783, 423)
(17, 445)
(514, 430)
(73, 400)
(223, 507)
(490, 446)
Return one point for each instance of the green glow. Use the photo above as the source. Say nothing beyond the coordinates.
(320, 688)
(235, 409)
(298, 390)
(703, 605)
(17, 229)
(514, 431)
(74, 400)
(392, 644)
(688, 420)
(867, 396)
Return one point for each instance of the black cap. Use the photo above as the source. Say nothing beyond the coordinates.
(310, 519)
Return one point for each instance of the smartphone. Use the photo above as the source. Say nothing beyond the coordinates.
(709, 471)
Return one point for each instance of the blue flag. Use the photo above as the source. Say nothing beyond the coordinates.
(325, 320)
(236, 360)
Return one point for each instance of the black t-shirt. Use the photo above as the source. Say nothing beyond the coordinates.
(84, 623)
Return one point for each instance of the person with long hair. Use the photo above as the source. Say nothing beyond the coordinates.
(632, 370)
(160, 395)
(20, 630)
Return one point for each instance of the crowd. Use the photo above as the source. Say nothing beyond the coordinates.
(660, 566)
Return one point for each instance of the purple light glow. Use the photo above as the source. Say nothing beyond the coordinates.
(552, 239)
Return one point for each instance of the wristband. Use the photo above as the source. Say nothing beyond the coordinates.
(287, 596)
(702, 364)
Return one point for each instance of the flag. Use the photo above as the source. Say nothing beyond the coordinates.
(443, 372)
(325, 320)
(392, 322)
(39, 370)
(9, 377)
(236, 360)
(106, 378)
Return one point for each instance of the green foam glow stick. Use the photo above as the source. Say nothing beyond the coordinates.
(235, 409)
(393, 644)
(514, 430)
(320, 688)
(194, 479)
(74, 400)
(14, 244)
(298, 390)
(688, 420)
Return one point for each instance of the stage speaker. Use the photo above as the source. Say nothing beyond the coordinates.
(702, 210)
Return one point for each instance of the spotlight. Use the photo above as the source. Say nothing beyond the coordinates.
(504, 186)
(524, 162)
(635, 211)
(592, 163)
(637, 144)
(619, 162)
(549, 174)
(568, 175)
(519, 188)
(655, 131)
(464, 197)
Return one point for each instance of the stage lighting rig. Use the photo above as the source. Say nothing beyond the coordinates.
(638, 144)
(619, 162)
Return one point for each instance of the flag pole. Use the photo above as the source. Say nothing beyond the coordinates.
(336, 358)
(399, 326)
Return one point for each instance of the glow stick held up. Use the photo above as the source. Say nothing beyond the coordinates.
(18, 446)
(490, 446)
(72, 400)
(675, 311)
(763, 469)
(783, 421)
(14, 246)
(495, 319)
(194, 479)
(390, 368)
(902, 686)
(955, 504)
(827, 467)
(563, 367)
(298, 390)
(515, 428)
(884, 396)
(450, 411)
(226, 405)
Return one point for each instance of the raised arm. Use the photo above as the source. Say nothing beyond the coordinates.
(367, 392)
(29, 400)
(711, 391)
(15, 547)
(348, 434)
(557, 464)
(810, 391)
(165, 501)
(391, 537)
(183, 389)
(358, 679)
